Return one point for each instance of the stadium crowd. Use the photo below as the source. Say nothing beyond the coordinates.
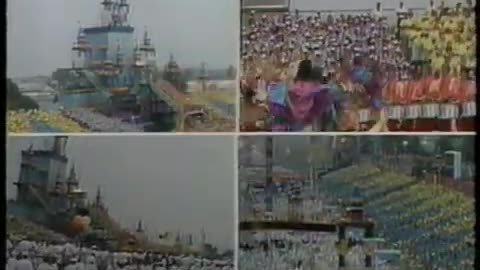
(335, 73)
(431, 222)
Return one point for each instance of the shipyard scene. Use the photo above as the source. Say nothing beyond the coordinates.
(65, 210)
(121, 66)
(356, 202)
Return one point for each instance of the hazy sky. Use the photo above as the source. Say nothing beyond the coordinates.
(170, 182)
(41, 33)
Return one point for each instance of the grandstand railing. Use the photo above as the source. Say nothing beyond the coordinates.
(266, 5)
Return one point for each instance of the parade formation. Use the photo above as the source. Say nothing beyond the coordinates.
(363, 212)
(32, 255)
(51, 224)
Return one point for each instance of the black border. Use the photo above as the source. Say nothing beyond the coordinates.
(477, 145)
(3, 11)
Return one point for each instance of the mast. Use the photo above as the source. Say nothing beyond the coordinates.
(203, 76)
(139, 226)
(59, 145)
(124, 10)
(98, 198)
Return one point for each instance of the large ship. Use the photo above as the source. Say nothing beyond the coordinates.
(46, 194)
(115, 73)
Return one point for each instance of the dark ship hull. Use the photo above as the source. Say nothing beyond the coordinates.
(64, 223)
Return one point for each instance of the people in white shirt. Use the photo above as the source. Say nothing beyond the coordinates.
(90, 263)
(48, 264)
(72, 264)
(11, 262)
(24, 263)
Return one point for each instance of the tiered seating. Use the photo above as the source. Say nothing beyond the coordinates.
(273, 46)
(447, 41)
(430, 222)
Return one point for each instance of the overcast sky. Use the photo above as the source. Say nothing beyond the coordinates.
(170, 182)
(41, 33)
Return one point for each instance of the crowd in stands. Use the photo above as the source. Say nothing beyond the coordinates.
(430, 222)
(293, 250)
(319, 72)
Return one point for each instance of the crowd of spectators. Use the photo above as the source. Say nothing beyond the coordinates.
(320, 72)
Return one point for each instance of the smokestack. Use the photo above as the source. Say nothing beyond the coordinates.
(60, 145)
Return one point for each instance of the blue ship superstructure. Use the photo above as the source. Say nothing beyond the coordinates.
(112, 71)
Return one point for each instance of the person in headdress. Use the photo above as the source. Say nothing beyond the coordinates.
(306, 101)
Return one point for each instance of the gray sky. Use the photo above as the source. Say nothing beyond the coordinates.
(41, 33)
(169, 181)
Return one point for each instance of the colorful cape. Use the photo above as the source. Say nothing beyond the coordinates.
(308, 102)
(372, 84)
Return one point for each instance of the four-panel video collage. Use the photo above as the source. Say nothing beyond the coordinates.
(298, 135)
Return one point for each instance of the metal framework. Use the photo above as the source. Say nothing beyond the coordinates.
(266, 5)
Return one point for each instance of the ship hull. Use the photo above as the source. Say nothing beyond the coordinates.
(87, 99)
(65, 223)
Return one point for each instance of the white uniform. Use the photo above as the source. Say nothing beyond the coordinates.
(23, 245)
(11, 263)
(71, 267)
(80, 266)
(147, 267)
(46, 266)
(91, 263)
(23, 264)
